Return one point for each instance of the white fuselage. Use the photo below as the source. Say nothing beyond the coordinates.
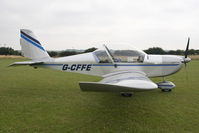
(152, 66)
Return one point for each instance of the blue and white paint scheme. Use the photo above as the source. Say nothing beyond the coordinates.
(124, 70)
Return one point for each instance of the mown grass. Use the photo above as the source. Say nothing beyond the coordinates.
(41, 100)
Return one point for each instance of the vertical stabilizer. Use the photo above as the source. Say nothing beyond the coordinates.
(31, 47)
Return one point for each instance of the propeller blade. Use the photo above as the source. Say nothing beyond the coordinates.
(187, 49)
(186, 59)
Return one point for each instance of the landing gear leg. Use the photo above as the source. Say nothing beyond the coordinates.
(163, 78)
(126, 94)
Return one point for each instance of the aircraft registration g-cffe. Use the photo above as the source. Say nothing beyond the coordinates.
(123, 70)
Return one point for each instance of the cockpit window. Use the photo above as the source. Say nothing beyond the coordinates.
(119, 55)
(128, 56)
(101, 56)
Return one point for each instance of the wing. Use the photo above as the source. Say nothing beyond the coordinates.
(121, 82)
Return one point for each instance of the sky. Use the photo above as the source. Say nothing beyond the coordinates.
(81, 24)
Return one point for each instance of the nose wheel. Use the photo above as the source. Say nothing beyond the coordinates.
(166, 86)
(166, 90)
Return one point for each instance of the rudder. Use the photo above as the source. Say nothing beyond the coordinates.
(31, 47)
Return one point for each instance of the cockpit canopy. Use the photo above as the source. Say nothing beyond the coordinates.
(123, 54)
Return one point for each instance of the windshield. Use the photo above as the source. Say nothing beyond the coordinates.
(123, 55)
(101, 56)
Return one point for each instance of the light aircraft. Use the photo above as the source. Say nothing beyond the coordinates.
(123, 70)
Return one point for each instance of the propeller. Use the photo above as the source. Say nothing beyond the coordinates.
(186, 51)
(186, 59)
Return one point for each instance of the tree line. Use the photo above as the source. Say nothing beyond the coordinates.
(153, 50)
(10, 51)
(69, 52)
(158, 50)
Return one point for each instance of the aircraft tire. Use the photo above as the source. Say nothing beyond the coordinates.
(166, 90)
(126, 94)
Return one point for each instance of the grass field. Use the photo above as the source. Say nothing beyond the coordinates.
(40, 100)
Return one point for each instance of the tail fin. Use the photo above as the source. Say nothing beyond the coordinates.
(31, 47)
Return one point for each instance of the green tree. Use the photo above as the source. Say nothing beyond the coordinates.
(155, 50)
(191, 52)
(53, 53)
(67, 53)
(197, 51)
(8, 51)
(179, 52)
(90, 50)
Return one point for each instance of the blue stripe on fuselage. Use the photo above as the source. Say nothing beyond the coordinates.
(52, 64)
(119, 65)
(136, 64)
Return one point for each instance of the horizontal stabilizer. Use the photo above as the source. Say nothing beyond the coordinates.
(103, 87)
(26, 63)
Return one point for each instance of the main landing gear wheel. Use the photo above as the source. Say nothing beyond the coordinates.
(126, 94)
